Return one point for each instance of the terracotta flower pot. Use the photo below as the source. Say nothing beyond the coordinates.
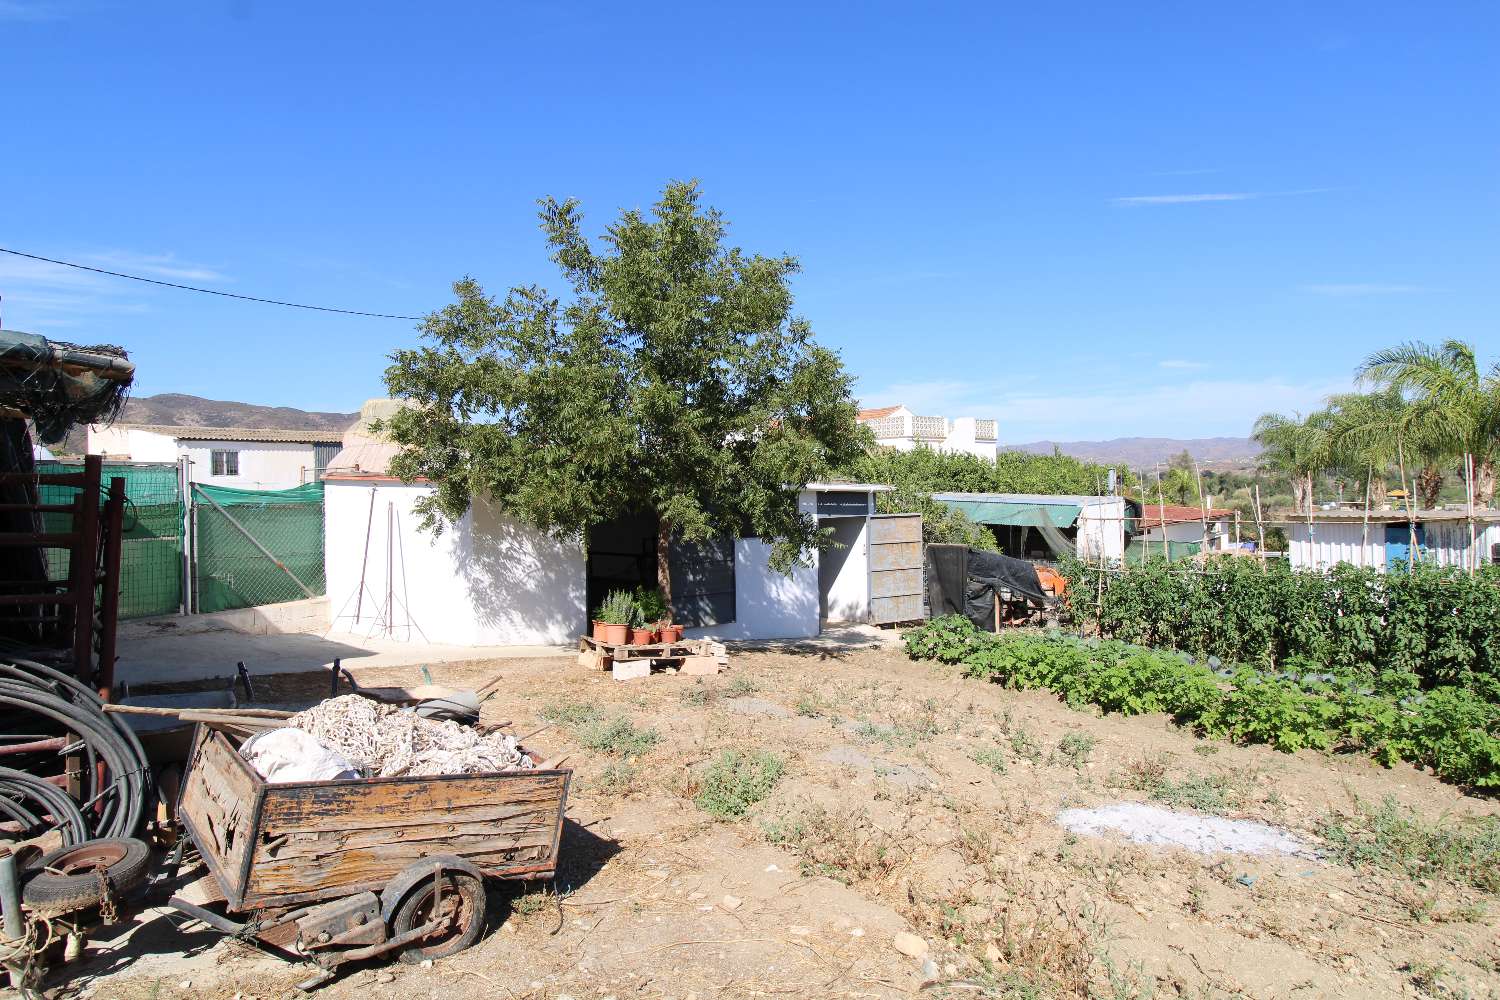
(671, 633)
(641, 637)
(598, 631)
(616, 634)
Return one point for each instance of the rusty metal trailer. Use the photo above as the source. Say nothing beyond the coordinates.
(351, 869)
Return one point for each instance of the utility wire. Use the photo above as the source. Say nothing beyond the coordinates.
(208, 291)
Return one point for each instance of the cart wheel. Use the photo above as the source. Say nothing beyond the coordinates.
(69, 880)
(463, 905)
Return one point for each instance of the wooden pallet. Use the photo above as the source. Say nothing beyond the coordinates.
(628, 662)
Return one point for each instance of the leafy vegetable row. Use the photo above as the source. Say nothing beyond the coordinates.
(1448, 728)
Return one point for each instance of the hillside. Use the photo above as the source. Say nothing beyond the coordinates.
(1139, 452)
(181, 410)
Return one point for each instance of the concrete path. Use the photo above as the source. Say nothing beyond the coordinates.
(169, 650)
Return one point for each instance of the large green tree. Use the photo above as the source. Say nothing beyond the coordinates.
(1461, 402)
(673, 378)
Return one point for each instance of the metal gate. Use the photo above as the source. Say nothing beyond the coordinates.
(895, 568)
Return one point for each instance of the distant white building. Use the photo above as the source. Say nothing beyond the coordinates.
(249, 458)
(897, 427)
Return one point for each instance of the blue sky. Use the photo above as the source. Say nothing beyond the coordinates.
(1086, 220)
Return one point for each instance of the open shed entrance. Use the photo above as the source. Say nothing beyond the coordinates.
(844, 570)
(622, 556)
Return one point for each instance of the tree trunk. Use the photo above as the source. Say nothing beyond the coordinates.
(1484, 483)
(664, 565)
(1429, 485)
(1302, 493)
(1378, 490)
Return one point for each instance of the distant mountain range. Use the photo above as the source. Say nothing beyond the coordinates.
(1142, 452)
(180, 410)
(175, 409)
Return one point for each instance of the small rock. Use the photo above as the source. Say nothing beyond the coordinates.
(950, 970)
(909, 944)
(1335, 896)
(797, 931)
(772, 868)
(929, 970)
(385, 977)
(186, 984)
(857, 932)
(992, 953)
(731, 903)
(426, 963)
(695, 896)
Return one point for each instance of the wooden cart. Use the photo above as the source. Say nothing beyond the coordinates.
(352, 869)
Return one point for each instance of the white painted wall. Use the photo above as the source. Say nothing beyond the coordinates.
(498, 585)
(768, 605)
(1101, 529)
(131, 444)
(1446, 543)
(961, 438)
(264, 465)
(844, 574)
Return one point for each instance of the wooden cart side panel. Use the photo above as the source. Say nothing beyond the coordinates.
(220, 805)
(331, 838)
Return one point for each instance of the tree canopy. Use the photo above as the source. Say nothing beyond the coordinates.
(673, 378)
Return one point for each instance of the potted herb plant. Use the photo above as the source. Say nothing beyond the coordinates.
(616, 615)
(652, 611)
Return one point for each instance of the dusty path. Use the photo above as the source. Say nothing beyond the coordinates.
(912, 801)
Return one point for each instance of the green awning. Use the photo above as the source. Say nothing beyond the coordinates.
(1062, 515)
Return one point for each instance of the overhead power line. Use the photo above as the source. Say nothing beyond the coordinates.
(208, 291)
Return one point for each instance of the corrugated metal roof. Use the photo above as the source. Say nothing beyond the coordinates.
(1151, 514)
(185, 433)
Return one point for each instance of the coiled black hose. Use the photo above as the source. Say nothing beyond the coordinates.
(117, 808)
(17, 788)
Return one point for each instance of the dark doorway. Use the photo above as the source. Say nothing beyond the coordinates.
(622, 556)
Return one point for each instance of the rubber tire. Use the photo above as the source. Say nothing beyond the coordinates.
(406, 918)
(65, 893)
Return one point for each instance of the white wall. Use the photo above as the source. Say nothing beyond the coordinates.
(132, 444)
(498, 585)
(844, 574)
(961, 439)
(1446, 543)
(1101, 529)
(264, 465)
(768, 605)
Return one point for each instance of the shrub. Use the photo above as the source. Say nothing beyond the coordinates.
(618, 609)
(737, 781)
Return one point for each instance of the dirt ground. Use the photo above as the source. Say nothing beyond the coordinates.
(912, 801)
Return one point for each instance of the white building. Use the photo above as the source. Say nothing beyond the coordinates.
(489, 580)
(897, 427)
(1027, 524)
(1383, 539)
(1177, 523)
(250, 458)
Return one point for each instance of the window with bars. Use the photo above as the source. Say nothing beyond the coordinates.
(225, 462)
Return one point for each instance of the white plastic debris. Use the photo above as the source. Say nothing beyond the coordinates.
(285, 755)
(1159, 827)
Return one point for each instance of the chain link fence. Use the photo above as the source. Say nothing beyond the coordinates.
(151, 542)
(255, 547)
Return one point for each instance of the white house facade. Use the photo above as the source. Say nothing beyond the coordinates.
(250, 458)
(1382, 539)
(900, 428)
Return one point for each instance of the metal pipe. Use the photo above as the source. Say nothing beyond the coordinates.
(10, 898)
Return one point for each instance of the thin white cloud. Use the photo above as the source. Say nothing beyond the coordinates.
(1181, 364)
(1184, 173)
(155, 266)
(1200, 198)
(1185, 199)
(1363, 288)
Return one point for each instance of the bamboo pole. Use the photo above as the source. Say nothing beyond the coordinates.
(1411, 516)
(1202, 505)
(1161, 501)
(1469, 483)
(1260, 525)
(1364, 538)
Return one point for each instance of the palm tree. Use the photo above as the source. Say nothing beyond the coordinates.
(1300, 447)
(1462, 404)
(1372, 432)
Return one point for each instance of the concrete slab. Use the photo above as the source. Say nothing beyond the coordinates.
(160, 651)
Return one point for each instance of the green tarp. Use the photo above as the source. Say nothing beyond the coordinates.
(228, 496)
(1018, 515)
(235, 572)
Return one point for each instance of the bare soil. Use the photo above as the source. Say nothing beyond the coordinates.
(885, 822)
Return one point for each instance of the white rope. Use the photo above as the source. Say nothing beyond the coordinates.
(386, 741)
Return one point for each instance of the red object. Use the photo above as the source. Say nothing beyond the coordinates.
(599, 631)
(641, 637)
(616, 635)
(671, 633)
